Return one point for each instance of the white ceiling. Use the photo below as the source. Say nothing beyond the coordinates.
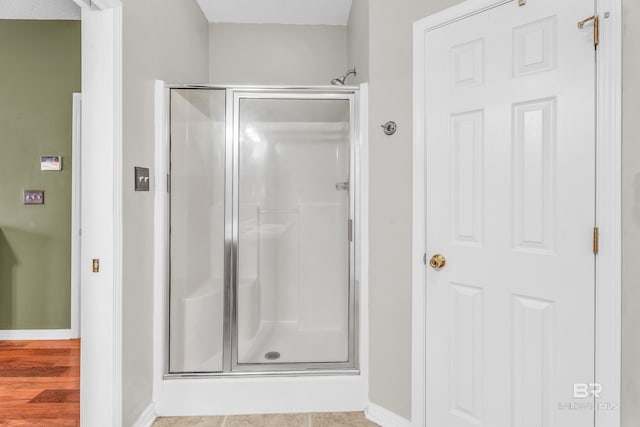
(310, 12)
(39, 9)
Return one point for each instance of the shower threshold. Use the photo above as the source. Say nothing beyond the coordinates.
(299, 352)
(265, 373)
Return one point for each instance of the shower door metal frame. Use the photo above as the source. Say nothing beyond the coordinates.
(230, 365)
(288, 94)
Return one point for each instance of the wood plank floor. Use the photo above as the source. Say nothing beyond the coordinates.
(40, 383)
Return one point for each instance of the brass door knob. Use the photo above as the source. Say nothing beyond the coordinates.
(437, 261)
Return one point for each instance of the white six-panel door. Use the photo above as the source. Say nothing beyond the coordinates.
(510, 196)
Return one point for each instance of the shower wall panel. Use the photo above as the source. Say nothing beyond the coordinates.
(197, 230)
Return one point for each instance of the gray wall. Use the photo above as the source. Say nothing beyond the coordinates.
(390, 97)
(155, 47)
(358, 41)
(631, 215)
(167, 40)
(390, 74)
(277, 54)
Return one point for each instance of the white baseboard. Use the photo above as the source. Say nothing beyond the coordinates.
(35, 334)
(385, 417)
(147, 417)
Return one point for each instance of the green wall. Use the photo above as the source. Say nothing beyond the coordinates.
(39, 71)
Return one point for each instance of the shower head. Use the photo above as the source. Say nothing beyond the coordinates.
(340, 81)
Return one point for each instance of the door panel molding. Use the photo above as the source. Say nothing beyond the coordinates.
(608, 203)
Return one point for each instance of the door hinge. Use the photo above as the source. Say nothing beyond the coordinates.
(522, 2)
(596, 28)
(424, 259)
(168, 183)
(596, 240)
(350, 230)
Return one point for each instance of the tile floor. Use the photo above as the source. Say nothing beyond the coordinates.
(332, 419)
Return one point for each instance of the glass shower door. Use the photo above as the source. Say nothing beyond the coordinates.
(293, 246)
(197, 227)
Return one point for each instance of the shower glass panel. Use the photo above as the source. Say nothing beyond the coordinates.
(293, 260)
(197, 167)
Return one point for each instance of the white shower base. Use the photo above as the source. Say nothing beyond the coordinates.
(294, 345)
(202, 343)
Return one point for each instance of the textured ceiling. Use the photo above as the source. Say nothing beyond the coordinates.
(39, 9)
(310, 12)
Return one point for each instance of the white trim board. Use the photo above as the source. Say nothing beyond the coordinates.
(161, 245)
(385, 417)
(608, 204)
(101, 200)
(76, 190)
(362, 221)
(117, 208)
(35, 334)
(147, 417)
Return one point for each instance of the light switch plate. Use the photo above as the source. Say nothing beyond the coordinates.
(33, 197)
(141, 179)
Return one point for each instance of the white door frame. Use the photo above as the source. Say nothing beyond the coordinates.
(101, 207)
(608, 204)
(76, 172)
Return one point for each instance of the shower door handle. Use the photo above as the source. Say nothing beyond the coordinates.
(342, 186)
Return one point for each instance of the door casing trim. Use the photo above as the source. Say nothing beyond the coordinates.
(608, 204)
(101, 347)
(76, 182)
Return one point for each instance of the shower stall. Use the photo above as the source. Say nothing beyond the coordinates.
(262, 255)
